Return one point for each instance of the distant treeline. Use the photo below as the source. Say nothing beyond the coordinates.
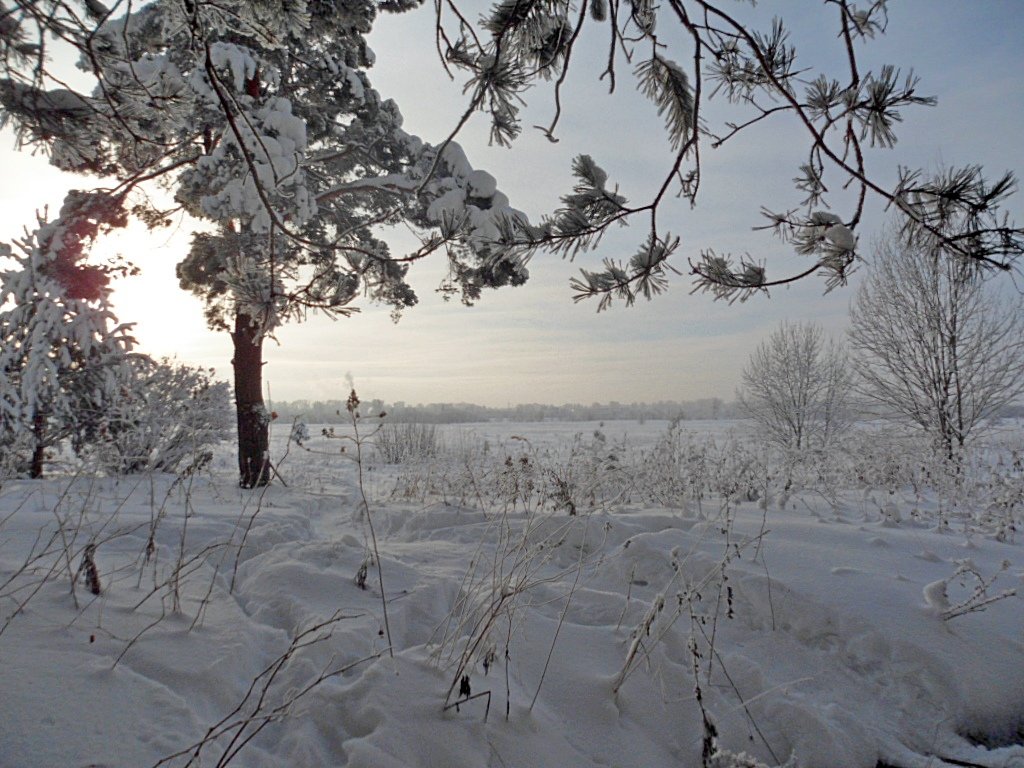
(333, 411)
(1012, 411)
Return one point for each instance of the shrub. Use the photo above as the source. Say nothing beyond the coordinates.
(167, 418)
(401, 443)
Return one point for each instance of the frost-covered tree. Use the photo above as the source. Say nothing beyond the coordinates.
(60, 345)
(259, 116)
(797, 387)
(935, 342)
(683, 54)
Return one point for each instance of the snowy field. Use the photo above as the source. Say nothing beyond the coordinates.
(616, 595)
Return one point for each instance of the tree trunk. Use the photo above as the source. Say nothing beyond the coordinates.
(253, 420)
(39, 447)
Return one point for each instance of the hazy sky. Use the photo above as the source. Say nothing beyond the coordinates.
(532, 344)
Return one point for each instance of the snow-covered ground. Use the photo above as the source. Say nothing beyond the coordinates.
(820, 626)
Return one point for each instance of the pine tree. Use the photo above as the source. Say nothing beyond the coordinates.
(261, 118)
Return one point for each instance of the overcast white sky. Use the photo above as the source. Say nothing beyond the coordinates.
(532, 344)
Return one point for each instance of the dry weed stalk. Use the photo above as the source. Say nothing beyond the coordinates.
(359, 442)
(266, 700)
(76, 535)
(524, 547)
(677, 598)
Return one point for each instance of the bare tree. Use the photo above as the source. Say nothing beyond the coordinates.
(797, 386)
(934, 342)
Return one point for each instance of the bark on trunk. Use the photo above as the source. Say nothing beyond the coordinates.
(39, 449)
(253, 420)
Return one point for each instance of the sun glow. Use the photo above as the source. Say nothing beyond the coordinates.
(168, 321)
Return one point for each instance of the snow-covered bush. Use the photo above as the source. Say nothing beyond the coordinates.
(683, 469)
(874, 470)
(399, 443)
(16, 448)
(1005, 510)
(166, 418)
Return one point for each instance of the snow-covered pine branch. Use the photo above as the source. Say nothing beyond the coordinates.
(845, 111)
(666, 84)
